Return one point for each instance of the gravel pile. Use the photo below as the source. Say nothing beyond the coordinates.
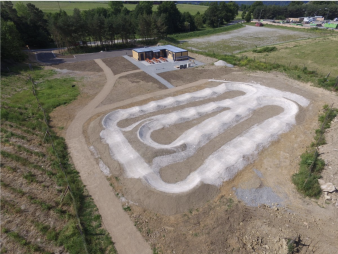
(223, 63)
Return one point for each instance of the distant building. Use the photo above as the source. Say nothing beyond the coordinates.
(295, 20)
(168, 51)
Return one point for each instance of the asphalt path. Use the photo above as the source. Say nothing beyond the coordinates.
(46, 56)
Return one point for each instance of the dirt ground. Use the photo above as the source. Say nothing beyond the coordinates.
(132, 85)
(89, 83)
(119, 64)
(85, 66)
(212, 220)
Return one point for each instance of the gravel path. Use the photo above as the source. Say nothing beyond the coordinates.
(127, 238)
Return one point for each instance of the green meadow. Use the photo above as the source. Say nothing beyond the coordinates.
(55, 6)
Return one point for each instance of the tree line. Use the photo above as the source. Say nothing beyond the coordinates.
(295, 9)
(116, 24)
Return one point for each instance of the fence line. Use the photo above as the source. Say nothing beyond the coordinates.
(60, 164)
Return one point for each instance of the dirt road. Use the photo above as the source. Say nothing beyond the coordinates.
(126, 237)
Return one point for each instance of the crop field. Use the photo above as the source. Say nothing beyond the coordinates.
(55, 6)
(245, 38)
(318, 54)
(36, 172)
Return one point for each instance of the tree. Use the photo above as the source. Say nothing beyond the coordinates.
(172, 17)
(293, 3)
(234, 7)
(255, 5)
(225, 12)
(110, 29)
(79, 29)
(212, 15)
(22, 10)
(248, 17)
(116, 6)
(11, 42)
(145, 26)
(198, 20)
(189, 22)
(320, 2)
(158, 26)
(243, 14)
(143, 7)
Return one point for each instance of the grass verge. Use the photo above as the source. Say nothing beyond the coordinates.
(306, 30)
(310, 166)
(293, 71)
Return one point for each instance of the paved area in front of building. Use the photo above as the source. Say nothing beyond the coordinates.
(153, 69)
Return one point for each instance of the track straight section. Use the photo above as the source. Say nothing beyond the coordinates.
(127, 238)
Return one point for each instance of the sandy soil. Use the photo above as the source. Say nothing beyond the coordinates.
(212, 220)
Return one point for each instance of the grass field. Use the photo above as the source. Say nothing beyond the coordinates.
(54, 6)
(316, 54)
(51, 6)
(246, 38)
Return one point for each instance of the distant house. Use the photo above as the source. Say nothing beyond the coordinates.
(169, 51)
(319, 18)
(295, 20)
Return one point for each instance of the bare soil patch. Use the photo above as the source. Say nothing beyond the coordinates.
(88, 66)
(186, 76)
(90, 83)
(119, 64)
(132, 85)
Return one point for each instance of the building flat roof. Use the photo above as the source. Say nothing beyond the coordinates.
(158, 48)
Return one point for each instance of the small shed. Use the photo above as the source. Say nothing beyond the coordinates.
(169, 51)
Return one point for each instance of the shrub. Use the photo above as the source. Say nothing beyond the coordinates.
(265, 50)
